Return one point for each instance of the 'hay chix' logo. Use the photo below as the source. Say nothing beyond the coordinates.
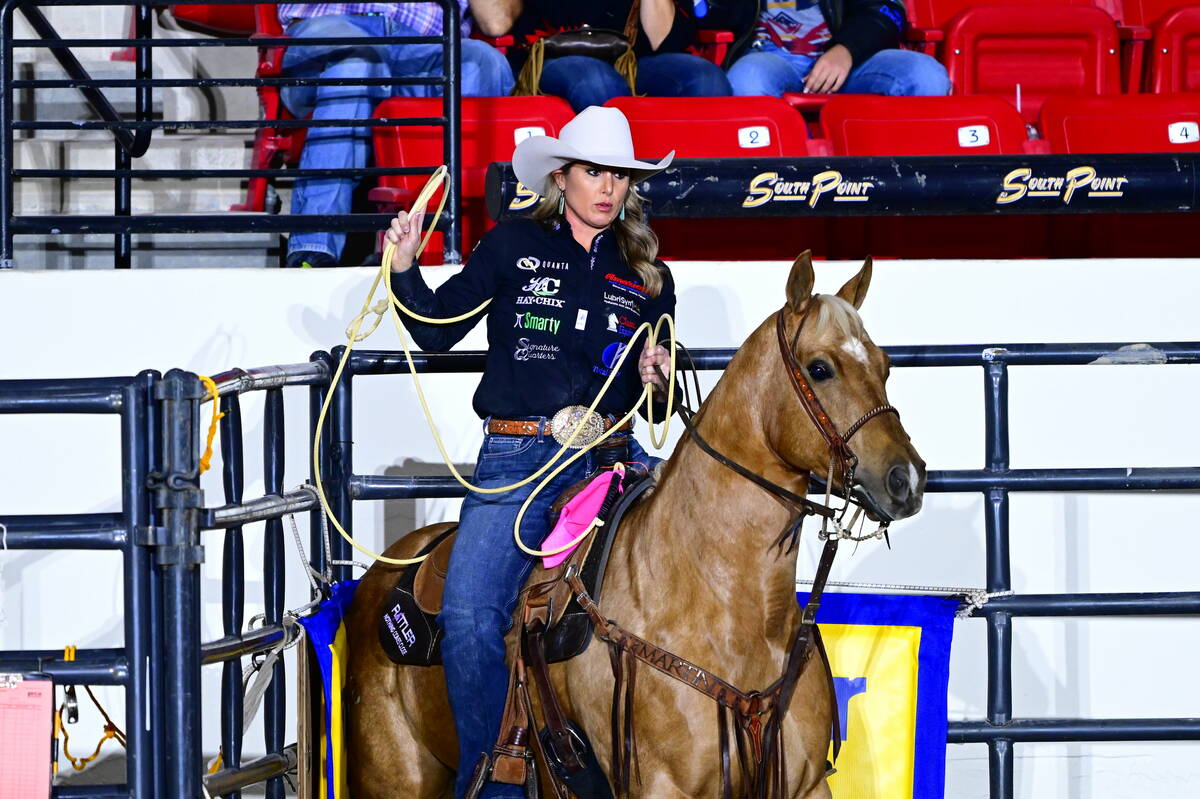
(542, 286)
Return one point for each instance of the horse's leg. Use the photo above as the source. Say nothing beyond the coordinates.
(392, 735)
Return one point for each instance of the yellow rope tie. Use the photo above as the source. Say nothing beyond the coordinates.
(217, 415)
(393, 304)
(111, 730)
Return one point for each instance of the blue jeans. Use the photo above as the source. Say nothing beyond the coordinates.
(767, 69)
(486, 572)
(485, 73)
(585, 81)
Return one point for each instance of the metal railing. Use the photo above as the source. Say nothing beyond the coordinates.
(162, 517)
(134, 137)
(996, 481)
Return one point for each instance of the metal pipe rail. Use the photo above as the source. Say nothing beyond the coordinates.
(132, 137)
(134, 533)
(891, 185)
(996, 481)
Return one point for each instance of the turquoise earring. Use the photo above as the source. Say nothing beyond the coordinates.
(562, 202)
(622, 213)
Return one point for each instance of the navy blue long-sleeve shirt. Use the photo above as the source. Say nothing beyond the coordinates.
(559, 319)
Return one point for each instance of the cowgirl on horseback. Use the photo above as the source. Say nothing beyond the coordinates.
(568, 287)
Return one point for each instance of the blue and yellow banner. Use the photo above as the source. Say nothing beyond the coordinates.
(327, 638)
(890, 657)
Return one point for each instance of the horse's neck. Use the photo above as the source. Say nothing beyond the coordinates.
(704, 539)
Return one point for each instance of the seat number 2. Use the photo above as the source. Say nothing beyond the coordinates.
(754, 136)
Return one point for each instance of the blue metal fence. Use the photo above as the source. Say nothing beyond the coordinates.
(158, 531)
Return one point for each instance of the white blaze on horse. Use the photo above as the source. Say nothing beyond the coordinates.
(695, 573)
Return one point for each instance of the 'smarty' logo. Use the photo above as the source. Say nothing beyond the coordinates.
(1022, 183)
(766, 187)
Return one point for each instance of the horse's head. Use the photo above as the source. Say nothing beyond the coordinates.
(846, 372)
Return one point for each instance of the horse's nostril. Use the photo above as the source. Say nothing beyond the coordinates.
(897, 483)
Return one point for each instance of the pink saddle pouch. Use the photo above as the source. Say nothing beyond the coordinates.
(579, 514)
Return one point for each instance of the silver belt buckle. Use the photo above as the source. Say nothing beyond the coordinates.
(591, 426)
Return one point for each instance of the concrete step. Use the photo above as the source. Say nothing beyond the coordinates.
(165, 196)
(37, 195)
(69, 105)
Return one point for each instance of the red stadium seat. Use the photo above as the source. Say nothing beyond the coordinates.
(870, 125)
(1142, 123)
(930, 19)
(1175, 52)
(1057, 49)
(491, 126)
(865, 125)
(1145, 123)
(1146, 12)
(723, 127)
(733, 127)
(235, 20)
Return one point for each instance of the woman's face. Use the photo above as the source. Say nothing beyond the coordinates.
(594, 194)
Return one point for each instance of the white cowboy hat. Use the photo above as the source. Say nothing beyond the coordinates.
(596, 135)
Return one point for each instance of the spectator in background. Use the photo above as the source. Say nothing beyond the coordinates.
(824, 46)
(485, 72)
(663, 31)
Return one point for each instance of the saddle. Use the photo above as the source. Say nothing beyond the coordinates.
(408, 629)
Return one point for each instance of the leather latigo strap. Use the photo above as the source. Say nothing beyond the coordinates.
(531, 427)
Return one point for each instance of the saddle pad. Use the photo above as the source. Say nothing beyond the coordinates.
(408, 633)
(581, 512)
(572, 633)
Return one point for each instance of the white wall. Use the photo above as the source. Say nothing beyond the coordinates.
(76, 324)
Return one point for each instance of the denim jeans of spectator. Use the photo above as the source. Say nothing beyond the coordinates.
(766, 69)
(585, 81)
(486, 572)
(485, 73)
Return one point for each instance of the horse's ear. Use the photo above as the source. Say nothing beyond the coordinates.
(800, 281)
(855, 290)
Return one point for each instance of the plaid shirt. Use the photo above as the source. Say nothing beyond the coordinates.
(424, 18)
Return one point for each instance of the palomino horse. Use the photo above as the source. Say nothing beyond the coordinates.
(692, 570)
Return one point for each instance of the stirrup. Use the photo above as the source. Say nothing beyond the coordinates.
(480, 777)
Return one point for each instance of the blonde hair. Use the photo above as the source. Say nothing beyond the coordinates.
(637, 242)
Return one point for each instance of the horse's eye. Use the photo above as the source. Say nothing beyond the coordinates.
(819, 370)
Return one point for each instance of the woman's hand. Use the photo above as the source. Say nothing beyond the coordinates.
(829, 73)
(405, 233)
(651, 357)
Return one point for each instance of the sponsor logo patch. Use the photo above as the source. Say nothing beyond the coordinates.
(542, 286)
(636, 289)
(610, 356)
(621, 301)
(548, 302)
(619, 323)
(1021, 183)
(532, 264)
(766, 187)
(398, 626)
(528, 351)
(527, 321)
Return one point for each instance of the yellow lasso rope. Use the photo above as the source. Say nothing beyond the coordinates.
(393, 304)
(206, 458)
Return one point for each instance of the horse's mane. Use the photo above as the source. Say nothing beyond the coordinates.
(833, 310)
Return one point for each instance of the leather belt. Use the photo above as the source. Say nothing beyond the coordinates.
(533, 427)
